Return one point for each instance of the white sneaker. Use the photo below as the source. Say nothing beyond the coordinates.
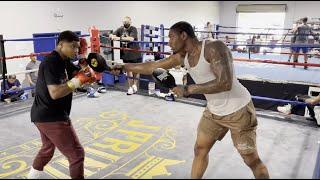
(130, 91)
(135, 89)
(317, 114)
(285, 109)
(34, 174)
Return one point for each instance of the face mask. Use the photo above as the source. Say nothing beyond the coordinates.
(126, 25)
(78, 56)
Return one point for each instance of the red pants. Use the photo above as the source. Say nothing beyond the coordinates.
(61, 135)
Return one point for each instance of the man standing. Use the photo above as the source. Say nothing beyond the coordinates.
(32, 76)
(126, 34)
(57, 79)
(208, 28)
(229, 104)
(301, 33)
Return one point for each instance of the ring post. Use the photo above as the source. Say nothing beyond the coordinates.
(162, 39)
(142, 36)
(95, 40)
(3, 62)
(217, 29)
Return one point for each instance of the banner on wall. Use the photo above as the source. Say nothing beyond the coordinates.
(254, 8)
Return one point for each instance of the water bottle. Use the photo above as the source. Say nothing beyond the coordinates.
(151, 87)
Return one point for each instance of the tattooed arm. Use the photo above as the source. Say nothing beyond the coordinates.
(221, 61)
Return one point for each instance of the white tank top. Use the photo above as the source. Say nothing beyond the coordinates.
(223, 103)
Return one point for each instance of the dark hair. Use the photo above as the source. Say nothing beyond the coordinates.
(68, 36)
(305, 19)
(12, 76)
(183, 26)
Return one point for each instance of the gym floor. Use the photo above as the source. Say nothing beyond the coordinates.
(145, 137)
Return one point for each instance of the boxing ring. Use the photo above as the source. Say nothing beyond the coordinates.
(144, 136)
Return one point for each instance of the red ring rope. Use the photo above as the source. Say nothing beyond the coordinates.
(276, 62)
(267, 61)
(270, 52)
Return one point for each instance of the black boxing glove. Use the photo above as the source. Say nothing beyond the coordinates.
(164, 78)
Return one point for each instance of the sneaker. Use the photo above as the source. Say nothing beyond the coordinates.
(102, 90)
(285, 109)
(91, 92)
(8, 100)
(317, 114)
(130, 91)
(311, 119)
(169, 97)
(135, 89)
(34, 174)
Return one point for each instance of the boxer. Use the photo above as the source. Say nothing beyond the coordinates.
(58, 77)
(229, 104)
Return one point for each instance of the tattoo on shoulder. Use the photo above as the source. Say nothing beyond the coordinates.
(215, 61)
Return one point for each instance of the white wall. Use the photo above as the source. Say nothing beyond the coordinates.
(295, 10)
(22, 19)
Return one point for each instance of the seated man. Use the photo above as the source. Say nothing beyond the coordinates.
(311, 102)
(11, 90)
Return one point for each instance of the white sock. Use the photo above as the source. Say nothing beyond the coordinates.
(34, 174)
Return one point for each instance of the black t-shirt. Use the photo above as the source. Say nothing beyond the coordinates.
(132, 32)
(53, 70)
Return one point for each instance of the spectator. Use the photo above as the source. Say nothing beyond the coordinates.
(128, 33)
(157, 56)
(208, 28)
(301, 34)
(235, 46)
(32, 76)
(292, 41)
(258, 42)
(311, 102)
(253, 42)
(11, 89)
(272, 43)
(249, 42)
(227, 39)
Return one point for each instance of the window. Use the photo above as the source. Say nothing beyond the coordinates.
(261, 23)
